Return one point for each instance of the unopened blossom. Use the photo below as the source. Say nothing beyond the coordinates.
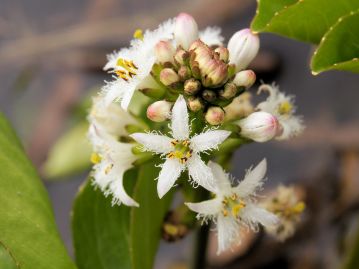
(234, 207)
(159, 111)
(286, 202)
(282, 106)
(182, 151)
(245, 78)
(259, 126)
(186, 30)
(243, 47)
(164, 51)
(240, 107)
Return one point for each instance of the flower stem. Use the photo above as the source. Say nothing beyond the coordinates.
(199, 259)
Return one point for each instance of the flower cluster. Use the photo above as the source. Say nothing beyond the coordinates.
(197, 91)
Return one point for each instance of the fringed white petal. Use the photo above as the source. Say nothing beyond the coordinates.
(208, 140)
(118, 191)
(252, 181)
(171, 170)
(212, 36)
(291, 126)
(228, 231)
(200, 173)
(206, 208)
(253, 215)
(179, 123)
(153, 142)
(221, 179)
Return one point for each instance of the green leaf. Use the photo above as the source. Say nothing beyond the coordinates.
(6, 260)
(146, 220)
(266, 10)
(100, 230)
(309, 20)
(70, 154)
(339, 48)
(27, 225)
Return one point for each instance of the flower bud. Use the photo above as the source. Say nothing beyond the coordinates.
(243, 47)
(192, 86)
(186, 30)
(181, 57)
(240, 107)
(214, 115)
(223, 53)
(259, 126)
(168, 76)
(164, 52)
(216, 77)
(159, 111)
(245, 78)
(209, 95)
(184, 73)
(229, 91)
(195, 103)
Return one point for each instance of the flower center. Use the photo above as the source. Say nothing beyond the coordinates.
(182, 150)
(232, 205)
(128, 69)
(285, 108)
(95, 158)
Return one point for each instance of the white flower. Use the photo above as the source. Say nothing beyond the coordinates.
(259, 126)
(186, 30)
(234, 206)
(211, 36)
(110, 118)
(181, 150)
(243, 47)
(112, 159)
(133, 65)
(281, 106)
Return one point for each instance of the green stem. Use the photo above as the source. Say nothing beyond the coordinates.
(199, 259)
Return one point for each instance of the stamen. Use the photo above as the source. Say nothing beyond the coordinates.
(95, 158)
(181, 151)
(108, 168)
(138, 34)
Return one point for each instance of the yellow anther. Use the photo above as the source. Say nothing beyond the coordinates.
(225, 212)
(234, 197)
(237, 208)
(108, 169)
(298, 208)
(138, 34)
(95, 158)
(285, 108)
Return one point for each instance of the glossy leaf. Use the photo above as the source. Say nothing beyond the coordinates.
(6, 260)
(266, 10)
(146, 220)
(339, 48)
(27, 226)
(70, 154)
(100, 230)
(309, 20)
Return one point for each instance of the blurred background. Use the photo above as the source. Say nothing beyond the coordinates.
(51, 58)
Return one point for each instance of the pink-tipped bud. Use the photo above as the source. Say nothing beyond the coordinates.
(192, 86)
(223, 53)
(214, 115)
(195, 103)
(259, 126)
(181, 57)
(164, 52)
(245, 78)
(159, 111)
(184, 73)
(168, 76)
(243, 47)
(186, 30)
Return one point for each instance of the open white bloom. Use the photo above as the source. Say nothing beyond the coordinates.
(112, 160)
(110, 118)
(234, 207)
(281, 106)
(133, 65)
(212, 36)
(182, 151)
